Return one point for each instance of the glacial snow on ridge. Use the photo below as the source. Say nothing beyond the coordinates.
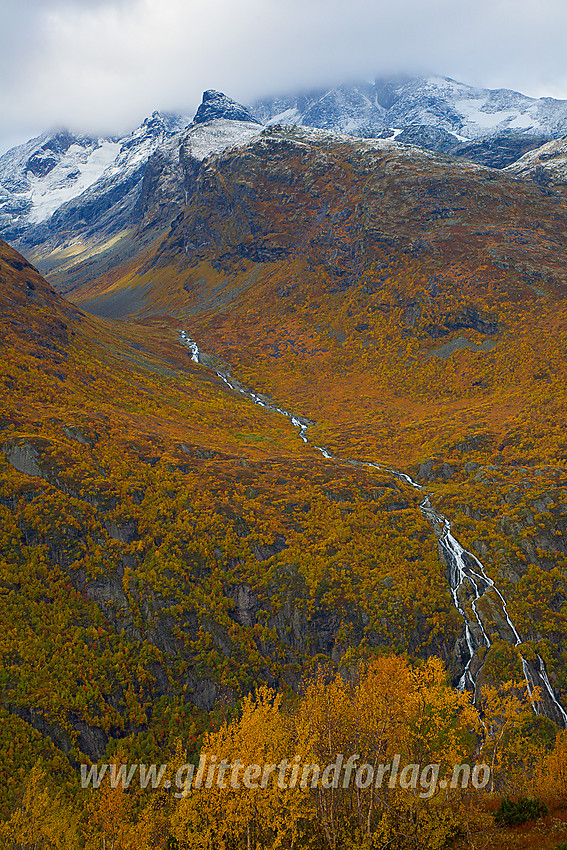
(78, 169)
(57, 166)
(547, 164)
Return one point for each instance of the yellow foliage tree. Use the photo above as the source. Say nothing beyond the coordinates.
(505, 710)
(240, 794)
(42, 821)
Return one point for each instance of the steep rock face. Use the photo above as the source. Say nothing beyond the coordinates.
(431, 138)
(352, 109)
(61, 187)
(217, 105)
(44, 160)
(107, 207)
(39, 176)
(124, 211)
(171, 172)
(133, 202)
(285, 109)
(500, 150)
(494, 151)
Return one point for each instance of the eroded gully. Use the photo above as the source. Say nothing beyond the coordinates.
(474, 594)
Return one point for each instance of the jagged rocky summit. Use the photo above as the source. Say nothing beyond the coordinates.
(216, 105)
(49, 173)
(490, 127)
(546, 166)
(60, 186)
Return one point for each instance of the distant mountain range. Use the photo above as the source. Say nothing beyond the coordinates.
(60, 183)
(397, 102)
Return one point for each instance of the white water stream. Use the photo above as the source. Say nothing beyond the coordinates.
(467, 577)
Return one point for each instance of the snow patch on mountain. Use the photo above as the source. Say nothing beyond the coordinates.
(57, 171)
(37, 177)
(62, 184)
(288, 116)
(480, 118)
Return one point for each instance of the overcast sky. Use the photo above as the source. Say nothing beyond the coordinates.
(103, 65)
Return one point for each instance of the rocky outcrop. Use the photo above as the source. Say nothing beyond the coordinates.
(431, 138)
(466, 317)
(353, 108)
(546, 166)
(89, 739)
(44, 159)
(171, 172)
(37, 177)
(60, 183)
(24, 458)
(333, 200)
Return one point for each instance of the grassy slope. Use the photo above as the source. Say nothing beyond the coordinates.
(371, 263)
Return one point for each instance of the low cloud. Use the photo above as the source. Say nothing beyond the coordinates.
(102, 65)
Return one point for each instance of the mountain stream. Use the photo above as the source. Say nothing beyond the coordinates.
(474, 594)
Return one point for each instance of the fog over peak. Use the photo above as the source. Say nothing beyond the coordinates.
(101, 66)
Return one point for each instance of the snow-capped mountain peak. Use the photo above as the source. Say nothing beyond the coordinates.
(76, 170)
(39, 177)
(61, 183)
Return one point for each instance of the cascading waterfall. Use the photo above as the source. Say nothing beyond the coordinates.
(191, 345)
(465, 567)
(466, 572)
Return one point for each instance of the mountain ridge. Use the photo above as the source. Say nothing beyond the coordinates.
(492, 127)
